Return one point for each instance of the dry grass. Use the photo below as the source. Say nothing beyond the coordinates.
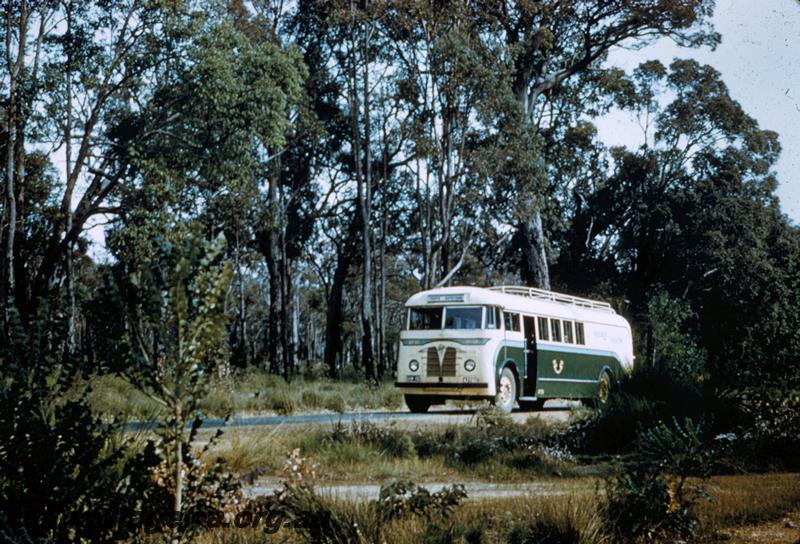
(494, 518)
(253, 392)
(572, 517)
(245, 450)
(748, 498)
(366, 452)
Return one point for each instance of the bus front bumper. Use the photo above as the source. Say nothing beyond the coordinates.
(444, 389)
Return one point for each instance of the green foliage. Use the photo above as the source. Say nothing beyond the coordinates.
(543, 532)
(649, 498)
(65, 474)
(768, 430)
(175, 308)
(452, 533)
(676, 351)
(401, 498)
(686, 229)
(494, 439)
(324, 520)
(389, 440)
(503, 452)
(643, 399)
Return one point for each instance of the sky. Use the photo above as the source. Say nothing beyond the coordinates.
(759, 59)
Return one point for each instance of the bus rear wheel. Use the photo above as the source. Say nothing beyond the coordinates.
(604, 386)
(418, 404)
(506, 391)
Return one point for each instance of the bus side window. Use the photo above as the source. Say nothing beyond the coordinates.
(511, 321)
(490, 324)
(568, 338)
(555, 329)
(579, 334)
(492, 317)
(543, 333)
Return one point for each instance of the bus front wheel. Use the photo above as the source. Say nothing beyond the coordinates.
(506, 391)
(418, 404)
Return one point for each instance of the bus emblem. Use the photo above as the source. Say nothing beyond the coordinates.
(558, 366)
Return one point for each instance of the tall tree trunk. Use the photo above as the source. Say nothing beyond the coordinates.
(287, 338)
(10, 196)
(177, 505)
(334, 346)
(272, 253)
(71, 340)
(534, 270)
(243, 358)
(333, 318)
(365, 207)
(295, 318)
(381, 328)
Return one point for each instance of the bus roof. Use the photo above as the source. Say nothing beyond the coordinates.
(520, 299)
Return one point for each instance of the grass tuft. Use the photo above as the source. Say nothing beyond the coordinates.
(251, 392)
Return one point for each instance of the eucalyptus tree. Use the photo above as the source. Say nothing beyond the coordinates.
(353, 44)
(68, 67)
(692, 212)
(173, 305)
(445, 83)
(216, 124)
(552, 42)
(351, 66)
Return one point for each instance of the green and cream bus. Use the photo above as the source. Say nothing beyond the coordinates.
(509, 344)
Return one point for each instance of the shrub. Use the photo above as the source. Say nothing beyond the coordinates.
(311, 399)
(400, 498)
(643, 399)
(335, 403)
(388, 440)
(676, 351)
(491, 437)
(65, 474)
(649, 498)
(770, 434)
(325, 520)
(440, 533)
(281, 402)
(540, 531)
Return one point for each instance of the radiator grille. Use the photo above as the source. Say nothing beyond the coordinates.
(449, 363)
(432, 362)
(445, 368)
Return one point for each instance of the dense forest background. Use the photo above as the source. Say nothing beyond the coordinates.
(342, 155)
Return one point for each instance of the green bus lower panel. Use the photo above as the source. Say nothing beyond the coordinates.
(565, 390)
(572, 372)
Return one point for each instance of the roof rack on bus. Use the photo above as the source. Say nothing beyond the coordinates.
(552, 296)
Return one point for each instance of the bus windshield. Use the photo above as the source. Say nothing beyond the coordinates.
(462, 317)
(425, 319)
(455, 317)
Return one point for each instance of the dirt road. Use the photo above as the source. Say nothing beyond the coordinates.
(554, 411)
(475, 490)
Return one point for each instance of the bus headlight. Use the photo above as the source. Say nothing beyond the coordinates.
(469, 365)
(413, 365)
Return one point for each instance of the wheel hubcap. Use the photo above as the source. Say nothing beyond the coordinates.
(602, 394)
(505, 390)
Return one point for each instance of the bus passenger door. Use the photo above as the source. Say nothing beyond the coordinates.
(529, 387)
